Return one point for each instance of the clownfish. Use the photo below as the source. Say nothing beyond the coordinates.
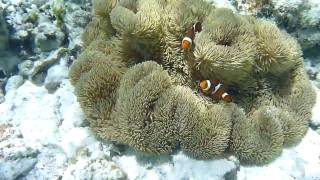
(215, 89)
(188, 39)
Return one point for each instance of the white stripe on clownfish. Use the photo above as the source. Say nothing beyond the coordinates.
(216, 88)
(224, 95)
(208, 85)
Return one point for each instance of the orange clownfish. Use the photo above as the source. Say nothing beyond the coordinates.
(188, 39)
(215, 89)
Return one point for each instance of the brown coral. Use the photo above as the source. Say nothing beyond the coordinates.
(136, 114)
(259, 138)
(204, 130)
(225, 49)
(277, 51)
(136, 85)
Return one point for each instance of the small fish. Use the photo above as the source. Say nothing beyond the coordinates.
(188, 39)
(215, 89)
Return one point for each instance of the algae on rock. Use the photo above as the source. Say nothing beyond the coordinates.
(4, 33)
(137, 86)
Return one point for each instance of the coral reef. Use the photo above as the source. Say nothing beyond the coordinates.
(299, 17)
(137, 86)
(35, 35)
(41, 26)
(4, 34)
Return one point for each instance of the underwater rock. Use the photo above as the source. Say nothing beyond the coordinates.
(18, 17)
(48, 37)
(39, 3)
(39, 27)
(254, 7)
(8, 63)
(14, 82)
(1, 96)
(3, 129)
(57, 72)
(25, 68)
(3, 79)
(315, 120)
(51, 163)
(41, 66)
(311, 68)
(179, 167)
(81, 2)
(1, 92)
(223, 4)
(3, 74)
(300, 18)
(75, 21)
(309, 38)
(16, 157)
(94, 169)
(317, 79)
(52, 87)
(60, 134)
(45, 21)
(4, 34)
(18, 168)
